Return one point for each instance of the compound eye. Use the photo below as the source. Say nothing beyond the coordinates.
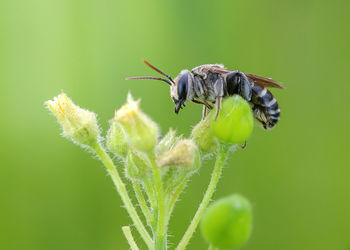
(182, 87)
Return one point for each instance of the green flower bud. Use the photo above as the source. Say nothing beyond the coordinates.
(167, 142)
(79, 125)
(137, 165)
(235, 122)
(116, 139)
(184, 154)
(204, 137)
(227, 223)
(141, 131)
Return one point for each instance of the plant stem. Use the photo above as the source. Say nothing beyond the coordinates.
(145, 210)
(215, 176)
(148, 186)
(129, 238)
(174, 195)
(112, 171)
(160, 238)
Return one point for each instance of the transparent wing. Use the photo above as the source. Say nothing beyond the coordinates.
(264, 81)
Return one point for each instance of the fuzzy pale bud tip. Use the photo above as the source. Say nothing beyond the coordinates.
(79, 125)
(167, 142)
(141, 131)
(183, 154)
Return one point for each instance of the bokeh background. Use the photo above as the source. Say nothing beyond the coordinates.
(54, 195)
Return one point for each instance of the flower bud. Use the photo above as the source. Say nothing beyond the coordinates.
(227, 223)
(79, 125)
(141, 131)
(184, 154)
(167, 142)
(235, 122)
(116, 139)
(203, 135)
(137, 164)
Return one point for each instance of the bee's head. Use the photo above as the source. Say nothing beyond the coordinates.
(179, 90)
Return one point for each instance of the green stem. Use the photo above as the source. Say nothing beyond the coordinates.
(129, 238)
(148, 186)
(174, 195)
(112, 171)
(160, 239)
(145, 210)
(215, 176)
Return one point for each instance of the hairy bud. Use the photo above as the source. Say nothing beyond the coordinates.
(204, 137)
(116, 139)
(137, 164)
(141, 131)
(79, 125)
(167, 142)
(184, 154)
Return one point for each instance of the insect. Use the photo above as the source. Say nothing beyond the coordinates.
(208, 84)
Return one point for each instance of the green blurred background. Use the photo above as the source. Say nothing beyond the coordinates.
(53, 195)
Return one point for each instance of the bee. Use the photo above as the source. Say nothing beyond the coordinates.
(208, 84)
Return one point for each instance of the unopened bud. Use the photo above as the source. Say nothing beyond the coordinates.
(137, 164)
(184, 154)
(167, 142)
(79, 125)
(116, 139)
(141, 131)
(235, 121)
(204, 137)
(227, 223)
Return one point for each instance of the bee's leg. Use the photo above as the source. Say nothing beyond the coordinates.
(219, 91)
(244, 145)
(218, 101)
(204, 112)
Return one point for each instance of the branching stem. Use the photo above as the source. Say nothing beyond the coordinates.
(215, 176)
(112, 171)
(142, 202)
(174, 195)
(160, 237)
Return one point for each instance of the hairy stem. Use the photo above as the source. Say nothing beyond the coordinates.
(145, 210)
(174, 195)
(129, 238)
(160, 238)
(112, 171)
(148, 186)
(215, 176)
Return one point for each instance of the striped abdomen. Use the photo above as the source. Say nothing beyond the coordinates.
(265, 106)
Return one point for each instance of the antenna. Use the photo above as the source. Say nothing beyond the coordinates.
(150, 78)
(159, 71)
